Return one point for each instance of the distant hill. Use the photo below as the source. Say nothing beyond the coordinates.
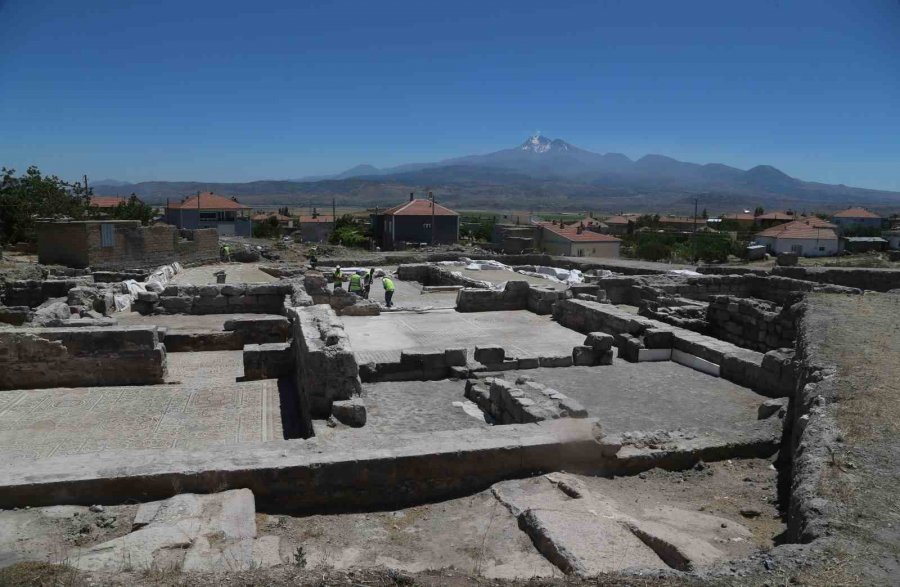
(541, 173)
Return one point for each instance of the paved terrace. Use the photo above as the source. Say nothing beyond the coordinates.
(520, 332)
(200, 407)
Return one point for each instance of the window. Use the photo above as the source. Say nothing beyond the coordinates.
(427, 225)
(209, 216)
(106, 236)
(821, 249)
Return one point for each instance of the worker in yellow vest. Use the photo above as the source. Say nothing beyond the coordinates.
(355, 284)
(338, 278)
(388, 291)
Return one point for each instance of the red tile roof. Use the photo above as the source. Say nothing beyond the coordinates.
(739, 216)
(419, 207)
(856, 213)
(106, 201)
(571, 233)
(777, 216)
(813, 228)
(616, 220)
(209, 201)
(319, 218)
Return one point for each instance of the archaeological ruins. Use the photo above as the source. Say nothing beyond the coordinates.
(512, 416)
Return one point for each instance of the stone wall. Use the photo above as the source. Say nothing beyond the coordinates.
(638, 290)
(268, 361)
(325, 367)
(344, 303)
(228, 298)
(522, 402)
(516, 295)
(34, 292)
(770, 374)
(752, 323)
(79, 244)
(416, 366)
(32, 358)
(432, 275)
(872, 279)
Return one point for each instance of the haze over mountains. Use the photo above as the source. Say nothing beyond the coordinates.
(541, 173)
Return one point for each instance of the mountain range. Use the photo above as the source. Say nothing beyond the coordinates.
(540, 173)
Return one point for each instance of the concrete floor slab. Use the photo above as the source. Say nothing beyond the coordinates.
(201, 406)
(520, 332)
(652, 396)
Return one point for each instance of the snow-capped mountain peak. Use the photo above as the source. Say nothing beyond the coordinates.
(541, 144)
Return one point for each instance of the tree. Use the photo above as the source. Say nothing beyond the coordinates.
(32, 195)
(759, 211)
(268, 228)
(133, 209)
(704, 214)
(347, 232)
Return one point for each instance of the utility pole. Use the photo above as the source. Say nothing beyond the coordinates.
(85, 184)
(431, 195)
(694, 235)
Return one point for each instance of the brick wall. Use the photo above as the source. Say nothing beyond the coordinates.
(79, 244)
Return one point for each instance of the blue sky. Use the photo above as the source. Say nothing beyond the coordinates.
(234, 91)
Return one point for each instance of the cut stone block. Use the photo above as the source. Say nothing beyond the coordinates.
(657, 338)
(456, 357)
(557, 361)
(599, 341)
(489, 355)
(351, 412)
(585, 356)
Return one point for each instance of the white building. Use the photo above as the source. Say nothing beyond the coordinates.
(810, 237)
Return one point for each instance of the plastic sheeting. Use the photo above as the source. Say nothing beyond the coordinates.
(131, 288)
(570, 276)
(687, 272)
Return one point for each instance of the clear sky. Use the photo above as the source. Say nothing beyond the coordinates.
(219, 90)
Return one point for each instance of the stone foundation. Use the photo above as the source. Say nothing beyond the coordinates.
(742, 366)
(232, 298)
(325, 367)
(524, 402)
(35, 358)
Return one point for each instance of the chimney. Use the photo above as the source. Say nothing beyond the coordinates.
(579, 230)
(411, 196)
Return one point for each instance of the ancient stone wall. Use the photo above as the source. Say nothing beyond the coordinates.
(514, 296)
(522, 402)
(326, 369)
(34, 358)
(770, 374)
(416, 366)
(34, 292)
(432, 275)
(752, 323)
(854, 277)
(229, 298)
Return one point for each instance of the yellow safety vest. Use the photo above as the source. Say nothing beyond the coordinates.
(388, 284)
(354, 283)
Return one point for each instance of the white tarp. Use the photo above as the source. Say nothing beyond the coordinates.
(570, 276)
(131, 288)
(477, 265)
(687, 272)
